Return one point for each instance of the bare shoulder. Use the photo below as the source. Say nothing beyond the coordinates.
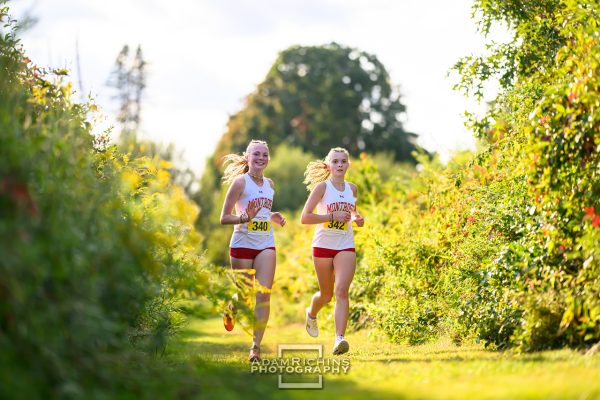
(234, 192)
(314, 197)
(354, 188)
(317, 193)
(239, 183)
(271, 183)
(320, 188)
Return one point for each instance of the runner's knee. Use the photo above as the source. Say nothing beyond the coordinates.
(325, 297)
(341, 293)
(263, 298)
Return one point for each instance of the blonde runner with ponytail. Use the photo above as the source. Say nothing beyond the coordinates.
(318, 171)
(247, 206)
(331, 207)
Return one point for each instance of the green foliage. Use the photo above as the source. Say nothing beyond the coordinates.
(550, 295)
(218, 234)
(447, 251)
(97, 249)
(180, 175)
(535, 25)
(286, 168)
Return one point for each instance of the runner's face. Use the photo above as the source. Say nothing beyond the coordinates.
(258, 157)
(338, 164)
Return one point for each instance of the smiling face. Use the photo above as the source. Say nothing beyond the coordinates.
(338, 163)
(257, 155)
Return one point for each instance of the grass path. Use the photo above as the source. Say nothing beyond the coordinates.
(382, 370)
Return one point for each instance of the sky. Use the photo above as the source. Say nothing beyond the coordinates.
(205, 56)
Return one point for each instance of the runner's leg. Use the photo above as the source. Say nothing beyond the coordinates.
(264, 264)
(325, 277)
(344, 266)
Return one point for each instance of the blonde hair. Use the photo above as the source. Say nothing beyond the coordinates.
(318, 171)
(236, 164)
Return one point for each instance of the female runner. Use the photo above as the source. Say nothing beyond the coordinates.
(334, 256)
(252, 244)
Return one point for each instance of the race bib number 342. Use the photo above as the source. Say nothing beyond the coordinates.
(336, 226)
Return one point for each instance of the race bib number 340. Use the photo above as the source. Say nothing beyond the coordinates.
(336, 226)
(259, 227)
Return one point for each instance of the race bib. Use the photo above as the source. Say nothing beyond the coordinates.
(259, 227)
(336, 226)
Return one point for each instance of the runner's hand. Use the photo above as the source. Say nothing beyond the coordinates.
(252, 212)
(359, 220)
(278, 218)
(341, 216)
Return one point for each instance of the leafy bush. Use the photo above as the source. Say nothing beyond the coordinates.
(96, 248)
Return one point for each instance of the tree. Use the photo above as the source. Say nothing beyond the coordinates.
(129, 79)
(547, 113)
(319, 97)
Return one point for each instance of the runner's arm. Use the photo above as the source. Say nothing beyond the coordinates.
(233, 194)
(308, 217)
(356, 217)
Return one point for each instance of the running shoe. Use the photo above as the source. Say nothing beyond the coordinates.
(229, 317)
(341, 346)
(254, 354)
(311, 325)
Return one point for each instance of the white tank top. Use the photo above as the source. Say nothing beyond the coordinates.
(335, 235)
(258, 232)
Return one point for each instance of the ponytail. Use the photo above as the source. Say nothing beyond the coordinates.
(237, 165)
(318, 171)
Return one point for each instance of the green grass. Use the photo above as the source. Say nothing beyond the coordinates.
(382, 370)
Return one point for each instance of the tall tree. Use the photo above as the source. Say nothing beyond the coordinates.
(129, 79)
(320, 97)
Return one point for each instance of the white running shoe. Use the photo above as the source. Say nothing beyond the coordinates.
(341, 346)
(311, 325)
